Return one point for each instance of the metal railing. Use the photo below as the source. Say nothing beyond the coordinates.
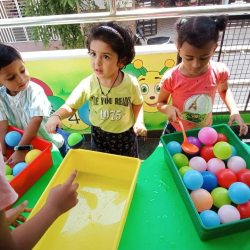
(137, 14)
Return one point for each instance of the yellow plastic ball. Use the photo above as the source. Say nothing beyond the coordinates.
(31, 155)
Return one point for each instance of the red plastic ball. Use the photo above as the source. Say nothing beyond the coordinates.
(244, 210)
(226, 177)
(207, 153)
(244, 176)
(221, 137)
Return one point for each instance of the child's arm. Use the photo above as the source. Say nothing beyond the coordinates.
(60, 199)
(228, 98)
(3, 131)
(29, 134)
(55, 119)
(139, 126)
(165, 108)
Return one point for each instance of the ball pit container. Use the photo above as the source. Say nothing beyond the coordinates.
(206, 233)
(106, 187)
(35, 169)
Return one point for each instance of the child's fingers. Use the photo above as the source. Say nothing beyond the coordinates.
(71, 178)
(27, 210)
(8, 161)
(75, 186)
(243, 129)
(15, 224)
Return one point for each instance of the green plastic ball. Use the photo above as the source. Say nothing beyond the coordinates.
(222, 150)
(8, 170)
(180, 160)
(184, 169)
(220, 197)
(9, 177)
(74, 138)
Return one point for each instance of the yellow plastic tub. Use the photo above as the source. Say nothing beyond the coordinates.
(106, 186)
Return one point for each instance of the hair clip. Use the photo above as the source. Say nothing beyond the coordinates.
(183, 20)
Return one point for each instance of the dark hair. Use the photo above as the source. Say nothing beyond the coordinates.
(8, 54)
(197, 31)
(120, 39)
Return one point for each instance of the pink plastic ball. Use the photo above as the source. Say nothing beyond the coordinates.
(208, 136)
(236, 163)
(214, 165)
(228, 213)
(198, 163)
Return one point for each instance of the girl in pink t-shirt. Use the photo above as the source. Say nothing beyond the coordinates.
(60, 199)
(193, 83)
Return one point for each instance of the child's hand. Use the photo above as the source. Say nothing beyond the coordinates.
(140, 129)
(13, 215)
(63, 197)
(52, 124)
(16, 157)
(172, 112)
(237, 118)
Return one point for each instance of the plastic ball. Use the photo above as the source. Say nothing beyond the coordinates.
(8, 170)
(202, 199)
(195, 141)
(208, 136)
(221, 137)
(207, 153)
(220, 197)
(244, 210)
(31, 155)
(244, 176)
(239, 192)
(198, 163)
(174, 147)
(215, 165)
(84, 113)
(234, 153)
(228, 213)
(9, 177)
(226, 177)
(76, 140)
(193, 179)
(209, 218)
(180, 160)
(184, 169)
(209, 181)
(19, 167)
(222, 150)
(236, 163)
(13, 138)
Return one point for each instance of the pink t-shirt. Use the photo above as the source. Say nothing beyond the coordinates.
(7, 193)
(194, 97)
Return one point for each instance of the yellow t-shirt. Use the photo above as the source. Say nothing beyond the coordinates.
(113, 114)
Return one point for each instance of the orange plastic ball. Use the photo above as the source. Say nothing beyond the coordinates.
(202, 199)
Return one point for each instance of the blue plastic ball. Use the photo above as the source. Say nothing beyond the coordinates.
(239, 192)
(174, 147)
(193, 179)
(233, 154)
(84, 113)
(210, 181)
(19, 167)
(210, 218)
(13, 138)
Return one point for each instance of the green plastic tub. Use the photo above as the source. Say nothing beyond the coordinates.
(206, 233)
